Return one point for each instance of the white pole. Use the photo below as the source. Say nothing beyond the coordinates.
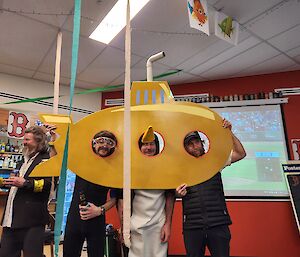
(152, 59)
(127, 135)
(57, 73)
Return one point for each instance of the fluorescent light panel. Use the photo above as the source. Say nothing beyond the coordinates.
(115, 20)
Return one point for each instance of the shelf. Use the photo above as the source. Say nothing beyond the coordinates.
(11, 153)
(7, 168)
(246, 102)
(3, 192)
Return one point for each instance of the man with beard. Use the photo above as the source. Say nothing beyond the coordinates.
(151, 218)
(205, 215)
(86, 217)
(26, 212)
(104, 143)
(193, 144)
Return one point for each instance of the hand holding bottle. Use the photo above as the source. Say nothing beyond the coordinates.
(14, 181)
(90, 211)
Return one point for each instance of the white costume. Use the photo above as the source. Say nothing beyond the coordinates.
(147, 219)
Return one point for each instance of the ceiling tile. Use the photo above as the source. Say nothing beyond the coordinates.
(28, 42)
(182, 78)
(88, 51)
(208, 53)
(44, 11)
(295, 52)
(109, 65)
(92, 12)
(287, 40)
(243, 11)
(139, 72)
(292, 68)
(50, 78)
(180, 48)
(25, 42)
(248, 58)
(275, 64)
(277, 20)
(86, 85)
(226, 55)
(45, 77)
(14, 70)
(64, 81)
(153, 25)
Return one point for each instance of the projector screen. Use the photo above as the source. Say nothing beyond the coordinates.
(259, 175)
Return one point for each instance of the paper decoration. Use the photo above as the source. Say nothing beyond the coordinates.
(226, 28)
(17, 124)
(198, 15)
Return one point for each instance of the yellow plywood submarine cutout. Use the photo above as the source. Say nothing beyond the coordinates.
(152, 104)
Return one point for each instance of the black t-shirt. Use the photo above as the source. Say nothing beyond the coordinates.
(95, 194)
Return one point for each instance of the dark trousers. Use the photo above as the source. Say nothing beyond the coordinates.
(30, 240)
(216, 239)
(74, 238)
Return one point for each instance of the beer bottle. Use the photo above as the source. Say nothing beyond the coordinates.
(82, 199)
(7, 146)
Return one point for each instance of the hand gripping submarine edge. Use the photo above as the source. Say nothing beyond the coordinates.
(152, 104)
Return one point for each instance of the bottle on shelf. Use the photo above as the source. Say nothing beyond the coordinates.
(261, 95)
(12, 148)
(7, 146)
(16, 148)
(2, 147)
(246, 97)
(11, 163)
(5, 162)
(270, 95)
(277, 94)
(1, 161)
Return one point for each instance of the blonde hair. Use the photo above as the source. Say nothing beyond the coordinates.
(39, 136)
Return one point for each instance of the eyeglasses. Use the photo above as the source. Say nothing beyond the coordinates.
(104, 140)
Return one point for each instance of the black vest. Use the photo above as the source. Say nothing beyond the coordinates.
(30, 208)
(204, 205)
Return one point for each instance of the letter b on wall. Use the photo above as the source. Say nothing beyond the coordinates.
(17, 124)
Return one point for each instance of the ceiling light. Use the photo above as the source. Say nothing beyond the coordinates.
(115, 20)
